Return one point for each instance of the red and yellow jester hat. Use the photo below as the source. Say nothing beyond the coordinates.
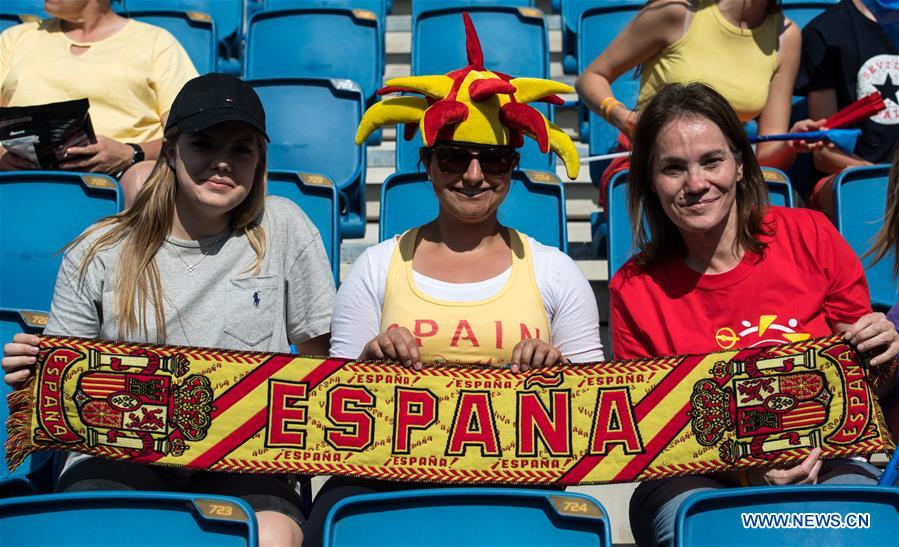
(473, 105)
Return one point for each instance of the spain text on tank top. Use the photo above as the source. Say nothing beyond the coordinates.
(483, 331)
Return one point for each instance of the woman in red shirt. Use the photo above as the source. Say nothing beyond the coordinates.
(718, 268)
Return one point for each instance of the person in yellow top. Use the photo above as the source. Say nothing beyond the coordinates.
(128, 70)
(746, 50)
(463, 288)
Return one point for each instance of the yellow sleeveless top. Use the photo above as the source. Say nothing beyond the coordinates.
(738, 63)
(483, 332)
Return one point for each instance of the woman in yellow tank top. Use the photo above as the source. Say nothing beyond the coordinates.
(744, 49)
(464, 288)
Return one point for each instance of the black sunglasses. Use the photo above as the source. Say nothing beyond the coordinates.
(454, 160)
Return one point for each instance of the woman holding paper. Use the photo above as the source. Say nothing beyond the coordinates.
(204, 259)
(130, 71)
(719, 269)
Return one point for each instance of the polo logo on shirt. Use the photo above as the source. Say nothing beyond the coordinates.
(765, 332)
(881, 73)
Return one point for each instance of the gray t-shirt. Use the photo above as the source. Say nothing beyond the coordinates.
(212, 298)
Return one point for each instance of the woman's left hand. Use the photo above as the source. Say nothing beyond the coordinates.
(874, 332)
(532, 352)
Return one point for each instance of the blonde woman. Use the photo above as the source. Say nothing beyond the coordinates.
(202, 258)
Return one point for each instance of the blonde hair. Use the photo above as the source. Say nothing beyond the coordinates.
(142, 229)
(887, 237)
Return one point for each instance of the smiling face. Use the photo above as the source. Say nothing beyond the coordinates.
(695, 176)
(471, 181)
(215, 168)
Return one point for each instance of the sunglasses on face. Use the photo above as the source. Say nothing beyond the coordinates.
(454, 160)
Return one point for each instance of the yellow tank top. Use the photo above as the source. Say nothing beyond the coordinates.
(738, 63)
(484, 331)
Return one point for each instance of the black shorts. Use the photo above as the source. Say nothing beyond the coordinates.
(261, 492)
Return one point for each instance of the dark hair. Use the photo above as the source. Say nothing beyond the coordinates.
(676, 101)
(887, 238)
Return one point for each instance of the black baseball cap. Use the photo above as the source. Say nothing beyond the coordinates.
(215, 98)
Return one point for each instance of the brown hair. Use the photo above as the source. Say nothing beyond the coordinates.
(660, 235)
(888, 236)
(142, 229)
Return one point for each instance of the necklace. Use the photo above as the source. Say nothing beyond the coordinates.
(191, 268)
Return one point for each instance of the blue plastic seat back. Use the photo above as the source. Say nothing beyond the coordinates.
(718, 517)
(316, 43)
(60, 206)
(194, 30)
(378, 7)
(780, 189)
(573, 55)
(803, 11)
(468, 516)
(620, 238)
(10, 20)
(23, 7)
(419, 6)
(514, 40)
(127, 518)
(859, 202)
(531, 156)
(438, 46)
(16, 482)
(597, 28)
(534, 206)
(312, 125)
(317, 197)
(227, 14)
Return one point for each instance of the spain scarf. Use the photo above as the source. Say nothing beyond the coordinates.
(568, 424)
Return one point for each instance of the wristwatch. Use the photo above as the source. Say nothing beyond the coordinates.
(138, 153)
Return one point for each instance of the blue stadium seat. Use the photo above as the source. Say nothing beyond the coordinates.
(227, 14)
(859, 198)
(312, 124)
(597, 28)
(316, 42)
(195, 31)
(619, 237)
(717, 517)
(514, 41)
(780, 190)
(419, 6)
(573, 57)
(10, 20)
(378, 7)
(803, 11)
(126, 519)
(23, 7)
(60, 206)
(468, 516)
(535, 206)
(317, 197)
(890, 475)
(28, 477)
(531, 156)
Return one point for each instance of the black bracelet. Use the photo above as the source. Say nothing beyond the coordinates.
(138, 155)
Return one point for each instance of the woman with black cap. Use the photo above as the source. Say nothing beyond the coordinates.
(202, 258)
